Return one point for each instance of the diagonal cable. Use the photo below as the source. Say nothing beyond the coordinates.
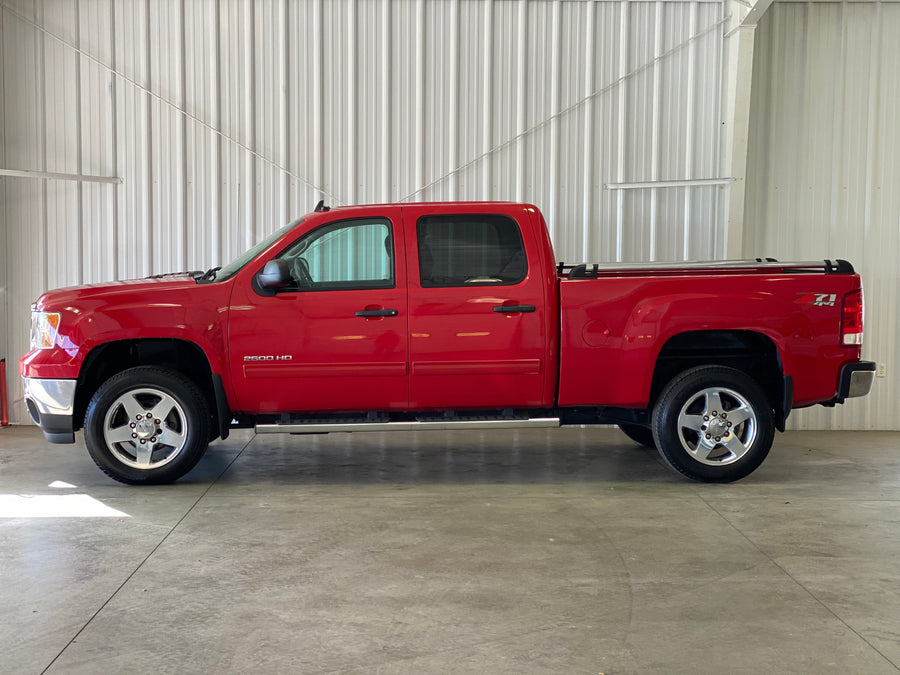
(543, 123)
(170, 104)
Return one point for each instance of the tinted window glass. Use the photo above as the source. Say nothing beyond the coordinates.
(464, 250)
(344, 255)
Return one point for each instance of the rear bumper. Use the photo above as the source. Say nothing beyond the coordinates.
(856, 379)
(51, 404)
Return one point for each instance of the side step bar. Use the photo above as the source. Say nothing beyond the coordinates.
(444, 425)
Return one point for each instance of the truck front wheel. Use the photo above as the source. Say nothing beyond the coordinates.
(147, 425)
(713, 424)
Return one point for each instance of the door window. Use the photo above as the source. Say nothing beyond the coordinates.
(471, 249)
(346, 255)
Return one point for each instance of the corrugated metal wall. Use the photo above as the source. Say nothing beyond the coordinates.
(226, 119)
(823, 175)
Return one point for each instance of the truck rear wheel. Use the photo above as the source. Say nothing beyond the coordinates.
(147, 425)
(713, 424)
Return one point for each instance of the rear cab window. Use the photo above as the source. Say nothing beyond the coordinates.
(470, 250)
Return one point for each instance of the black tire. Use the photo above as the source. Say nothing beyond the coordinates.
(147, 426)
(694, 437)
(640, 435)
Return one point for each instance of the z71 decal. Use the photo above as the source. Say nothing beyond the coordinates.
(817, 299)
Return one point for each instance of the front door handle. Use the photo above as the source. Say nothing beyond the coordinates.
(369, 313)
(514, 309)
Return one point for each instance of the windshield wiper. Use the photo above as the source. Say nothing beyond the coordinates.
(208, 275)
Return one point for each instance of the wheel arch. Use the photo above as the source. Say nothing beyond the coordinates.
(750, 352)
(186, 357)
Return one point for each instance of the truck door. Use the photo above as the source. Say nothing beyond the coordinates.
(335, 338)
(476, 309)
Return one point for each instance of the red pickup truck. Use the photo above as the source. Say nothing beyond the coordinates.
(442, 316)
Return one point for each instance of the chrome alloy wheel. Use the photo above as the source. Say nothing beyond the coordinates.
(717, 426)
(145, 428)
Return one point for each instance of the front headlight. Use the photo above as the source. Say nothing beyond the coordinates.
(44, 327)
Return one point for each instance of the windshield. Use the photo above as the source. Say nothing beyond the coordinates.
(238, 263)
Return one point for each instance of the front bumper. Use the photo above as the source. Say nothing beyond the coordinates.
(51, 404)
(856, 379)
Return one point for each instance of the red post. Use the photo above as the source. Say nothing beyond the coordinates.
(4, 415)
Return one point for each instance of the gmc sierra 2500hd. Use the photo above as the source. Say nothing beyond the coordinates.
(442, 316)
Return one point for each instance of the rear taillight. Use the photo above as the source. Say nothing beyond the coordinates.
(852, 319)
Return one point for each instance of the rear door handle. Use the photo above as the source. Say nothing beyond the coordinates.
(514, 309)
(368, 313)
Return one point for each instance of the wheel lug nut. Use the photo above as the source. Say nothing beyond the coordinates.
(134, 435)
(156, 421)
(703, 428)
(706, 418)
(724, 416)
(708, 436)
(153, 440)
(143, 441)
(718, 438)
(133, 425)
(728, 424)
(715, 413)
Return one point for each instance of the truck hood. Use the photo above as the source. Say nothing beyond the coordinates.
(71, 295)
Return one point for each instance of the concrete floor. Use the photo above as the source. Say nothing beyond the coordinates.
(569, 551)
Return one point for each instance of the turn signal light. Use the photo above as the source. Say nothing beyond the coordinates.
(44, 327)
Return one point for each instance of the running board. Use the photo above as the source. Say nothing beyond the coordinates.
(444, 425)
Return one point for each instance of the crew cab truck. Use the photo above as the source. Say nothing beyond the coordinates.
(442, 316)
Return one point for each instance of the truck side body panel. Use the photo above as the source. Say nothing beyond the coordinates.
(311, 349)
(465, 350)
(613, 328)
(95, 315)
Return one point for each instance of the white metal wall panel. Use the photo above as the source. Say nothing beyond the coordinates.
(226, 119)
(823, 174)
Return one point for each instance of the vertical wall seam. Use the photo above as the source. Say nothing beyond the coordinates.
(286, 135)
(622, 91)
(555, 113)
(587, 167)
(319, 93)
(352, 152)
(79, 142)
(114, 144)
(521, 100)
(872, 148)
(487, 98)
(151, 212)
(655, 131)
(41, 48)
(420, 97)
(689, 134)
(252, 187)
(218, 248)
(804, 115)
(184, 155)
(454, 175)
(837, 176)
(720, 201)
(386, 93)
(4, 228)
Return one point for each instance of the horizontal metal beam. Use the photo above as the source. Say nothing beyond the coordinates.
(77, 177)
(668, 183)
(443, 425)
